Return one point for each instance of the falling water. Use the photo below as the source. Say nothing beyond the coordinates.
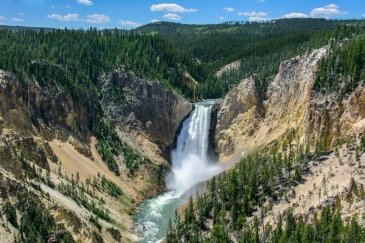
(190, 166)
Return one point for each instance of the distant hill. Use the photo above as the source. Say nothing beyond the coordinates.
(8, 27)
(260, 46)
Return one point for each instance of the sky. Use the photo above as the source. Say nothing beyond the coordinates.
(133, 13)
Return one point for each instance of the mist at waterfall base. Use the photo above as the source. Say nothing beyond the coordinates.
(190, 166)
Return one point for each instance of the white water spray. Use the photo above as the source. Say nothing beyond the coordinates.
(190, 166)
(190, 160)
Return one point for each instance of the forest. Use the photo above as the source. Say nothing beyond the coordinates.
(75, 60)
(344, 68)
(235, 202)
(260, 47)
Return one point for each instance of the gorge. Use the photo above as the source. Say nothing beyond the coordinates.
(190, 166)
(237, 132)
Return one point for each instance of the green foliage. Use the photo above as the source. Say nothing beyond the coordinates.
(132, 159)
(259, 46)
(111, 188)
(362, 143)
(95, 221)
(99, 212)
(36, 223)
(76, 58)
(329, 228)
(343, 70)
(108, 144)
(10, 213)
(234, 195)
(219, 234)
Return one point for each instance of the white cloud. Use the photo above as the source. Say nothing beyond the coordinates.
(258, 19)
(171, 7)
(2, 18)
(68, 6)
(85, 2)
(17, 19)
(98, 19)
(71, 17)
(129, 23)
(21, 14)
(229, 9)
(253, 14)
(222, 18)
(295, 15)
(327, 11)
(67, 17)
(172, 16)
(154, 20)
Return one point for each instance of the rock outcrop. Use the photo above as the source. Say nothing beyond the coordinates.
(31, 108)
(145, 107)
(246, 123)
(47, 147)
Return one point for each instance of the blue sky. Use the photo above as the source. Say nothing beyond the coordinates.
(132, 13)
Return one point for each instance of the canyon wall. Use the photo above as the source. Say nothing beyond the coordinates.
(247, 122)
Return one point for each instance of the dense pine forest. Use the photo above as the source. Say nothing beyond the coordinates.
(165, 51)
(344, 68)
(236, 200)
(77, 58)
(260, 47)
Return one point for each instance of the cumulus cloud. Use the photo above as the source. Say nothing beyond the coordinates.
(17, 19)
(327, 11)
(85, 2)
(294, 15)
(258, 19)
(172, 16)
(98, 19)
(154, 20)
(255, 16)
(67, 17)
(171, 8)
(129, 23)
(229, 9)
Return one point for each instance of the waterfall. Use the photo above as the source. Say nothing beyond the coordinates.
(190, 163)
(190, 166)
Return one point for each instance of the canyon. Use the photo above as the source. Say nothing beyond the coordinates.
(47, 143)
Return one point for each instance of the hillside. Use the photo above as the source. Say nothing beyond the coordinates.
(260, 47)
(75, 138)
(301, 173)
(90, 120)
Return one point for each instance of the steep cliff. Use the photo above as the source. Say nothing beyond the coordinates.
(48, 151)
(247, 122)
(144, 107)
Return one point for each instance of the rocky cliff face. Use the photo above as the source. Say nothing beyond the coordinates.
(31, 108)
(246, 123)
(47, 147)
(144, 107)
